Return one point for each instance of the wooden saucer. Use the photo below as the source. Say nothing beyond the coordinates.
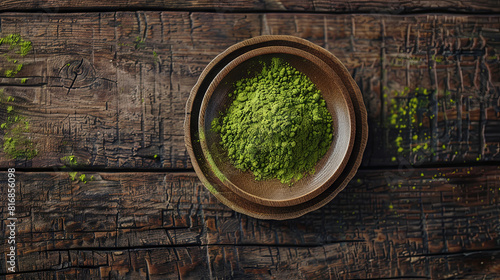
(248, 200)
(273, 192)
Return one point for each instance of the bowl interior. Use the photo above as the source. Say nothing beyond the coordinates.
(273, 192)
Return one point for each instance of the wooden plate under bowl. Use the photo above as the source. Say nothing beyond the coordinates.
(201, 164)
(327, 170)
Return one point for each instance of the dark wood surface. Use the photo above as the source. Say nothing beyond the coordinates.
(431, 223)
(409, 212)
(336, 6)
(128, 105)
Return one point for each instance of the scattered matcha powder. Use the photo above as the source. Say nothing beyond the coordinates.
(278, 125)
(17, 143)
(20, 47)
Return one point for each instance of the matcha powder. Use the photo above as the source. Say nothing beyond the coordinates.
(278, 125)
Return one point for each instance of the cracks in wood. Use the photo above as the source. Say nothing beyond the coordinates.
(109, 80)
(117, 223)
(76, 71)
(313, 4)
(408, 50)
(224, 259)
(443, 226)
(383, 86)
(446, 131)
(459, 103)
(431, 52)
(26, 85)
(285, 245)
(139, 24)
(417, 41)
(54, 270)
(126, 248)
(117, 126)
(100, 28)
(162, 26)
(461, 254)
(115, 33)
(143, 106)
(353, 34)
(425, 238)
(395, 278)
(185, 171)
(264, 26)
(484, 89)
(204, 234)
(145, 31)
(191, 27)
(131, 263)
(325, 34)
(466, 135)
(330, 272)
(178, 206)
(148, 267)
(170, 74)
(272, 258)
(169, 237)
(295, 24)
(177, 257)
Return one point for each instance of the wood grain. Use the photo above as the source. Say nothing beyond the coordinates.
(127, 109)
(408, 222)
(336, 6)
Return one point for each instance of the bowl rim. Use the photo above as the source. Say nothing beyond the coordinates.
(227, 197)
(342, 93)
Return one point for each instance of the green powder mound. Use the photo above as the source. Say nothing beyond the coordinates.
(278, 125)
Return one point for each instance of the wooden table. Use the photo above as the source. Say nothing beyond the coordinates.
(104, 90)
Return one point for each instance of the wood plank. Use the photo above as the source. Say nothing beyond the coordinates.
(411, 222)
(154, 263)
(341, 261)
(360, 6)
(126, 108)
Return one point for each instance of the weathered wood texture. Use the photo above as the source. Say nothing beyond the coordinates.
(430, 223)
(337, 6)
(110, 88)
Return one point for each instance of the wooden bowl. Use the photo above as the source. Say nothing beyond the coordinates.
(211, 179)
(327, 170)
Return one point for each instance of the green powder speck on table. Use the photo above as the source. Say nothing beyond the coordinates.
(278, 125)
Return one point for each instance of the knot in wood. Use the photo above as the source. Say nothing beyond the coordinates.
(77, 74)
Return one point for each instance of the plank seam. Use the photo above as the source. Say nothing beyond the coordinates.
(431, 11)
